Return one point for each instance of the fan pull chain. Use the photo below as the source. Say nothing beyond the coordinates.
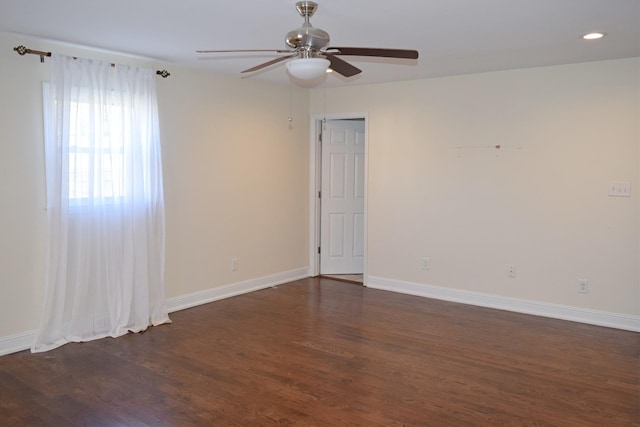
(290, 118)
(324, 103)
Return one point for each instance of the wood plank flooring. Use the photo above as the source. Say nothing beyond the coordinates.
(349, 278)
(318, 352)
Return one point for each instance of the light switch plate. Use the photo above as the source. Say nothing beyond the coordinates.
(620, 189)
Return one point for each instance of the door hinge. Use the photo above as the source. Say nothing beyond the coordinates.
(318, 249)
(319, 194)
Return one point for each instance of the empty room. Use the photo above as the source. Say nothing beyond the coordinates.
(363, 213)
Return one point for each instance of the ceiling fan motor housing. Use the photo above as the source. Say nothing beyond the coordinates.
(308, 38)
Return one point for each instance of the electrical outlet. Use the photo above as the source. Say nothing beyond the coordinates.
(426, 263)
(620, 189)
(511, 271)
(583, 286)
(234, 264)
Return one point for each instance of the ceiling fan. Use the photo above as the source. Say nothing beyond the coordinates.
(309, 56)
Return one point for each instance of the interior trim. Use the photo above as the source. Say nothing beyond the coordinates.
(203, 297)
(23, 341)
(536, 308)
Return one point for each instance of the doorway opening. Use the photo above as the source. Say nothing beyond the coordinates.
(338, 197)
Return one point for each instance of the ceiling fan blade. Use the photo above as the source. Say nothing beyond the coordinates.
(341, 66)
(244, 51)
(369, 51)
(266, 64)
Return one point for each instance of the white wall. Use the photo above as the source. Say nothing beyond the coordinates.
(235, 175)
(439, 188)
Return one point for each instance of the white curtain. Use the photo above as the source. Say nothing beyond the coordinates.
(105, 260)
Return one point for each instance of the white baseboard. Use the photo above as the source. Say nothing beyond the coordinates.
(575, 314)
(210, 295)
(17, 342)
(23, 341)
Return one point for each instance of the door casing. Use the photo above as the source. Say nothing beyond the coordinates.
(315, 167)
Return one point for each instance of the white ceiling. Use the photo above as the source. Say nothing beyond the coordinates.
(453, 36)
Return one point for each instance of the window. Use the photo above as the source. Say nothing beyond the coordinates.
(95, 157)
(96, 171)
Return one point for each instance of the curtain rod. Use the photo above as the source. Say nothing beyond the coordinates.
(23, 51)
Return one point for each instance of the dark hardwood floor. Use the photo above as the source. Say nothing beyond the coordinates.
(318, 352)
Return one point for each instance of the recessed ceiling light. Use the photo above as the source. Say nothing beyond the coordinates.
(594, 36)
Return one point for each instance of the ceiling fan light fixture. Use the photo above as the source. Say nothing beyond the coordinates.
(308, 68)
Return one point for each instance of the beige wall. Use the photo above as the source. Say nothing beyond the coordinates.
(236, 181)
(439, 188)
(235, 175)
(22, 196)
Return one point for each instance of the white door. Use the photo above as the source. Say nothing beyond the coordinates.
(342, 197)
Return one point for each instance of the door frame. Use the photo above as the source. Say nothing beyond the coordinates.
(315, 184)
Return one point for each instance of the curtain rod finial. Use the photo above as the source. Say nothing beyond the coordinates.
(163, 73)
(22, 50)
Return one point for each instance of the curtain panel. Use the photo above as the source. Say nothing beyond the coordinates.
(105, 207)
